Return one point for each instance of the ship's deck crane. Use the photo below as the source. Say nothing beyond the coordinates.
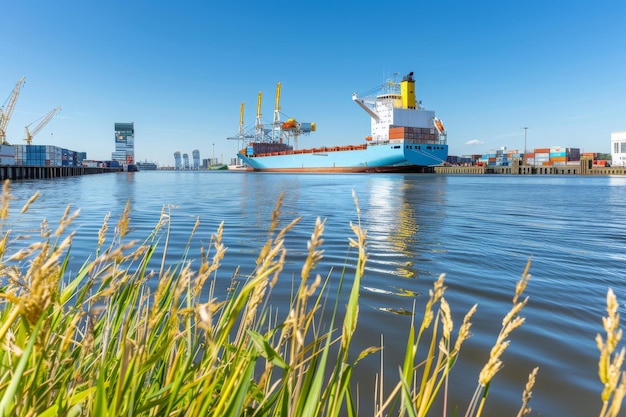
(7, 110)
(30, 134)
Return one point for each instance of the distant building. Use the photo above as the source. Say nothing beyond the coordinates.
(196, 159)
(185, 161)
(618, 148)
(124, 143)
(177, 161)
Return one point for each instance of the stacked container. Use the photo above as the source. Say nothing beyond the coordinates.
(572, 156)
(257, 148)
(44, 155)
(414, 134)
(557, 156)
(542, 156)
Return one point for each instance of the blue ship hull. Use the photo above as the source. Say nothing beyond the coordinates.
(373, 158)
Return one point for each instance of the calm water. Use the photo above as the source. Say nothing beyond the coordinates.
(478, 230)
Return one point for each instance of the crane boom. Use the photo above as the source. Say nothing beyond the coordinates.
(6, 112)
(241, 132)
(276, 122)
(259, 121)
(277, 105)
(29, 135)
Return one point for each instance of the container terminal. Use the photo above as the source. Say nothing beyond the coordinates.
(541, 161)
(31, 161)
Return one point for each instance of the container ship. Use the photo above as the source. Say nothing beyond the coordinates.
(405, 137)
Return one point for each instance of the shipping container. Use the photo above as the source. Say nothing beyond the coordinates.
(557, 154)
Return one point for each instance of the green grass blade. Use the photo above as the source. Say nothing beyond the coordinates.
(100, 407)
(6, 404)
(264, 349)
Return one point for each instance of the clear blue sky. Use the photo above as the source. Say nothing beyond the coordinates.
(180, 70)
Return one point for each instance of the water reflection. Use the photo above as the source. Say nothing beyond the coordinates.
(403, 216)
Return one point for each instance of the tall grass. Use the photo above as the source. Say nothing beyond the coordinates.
(101, 342)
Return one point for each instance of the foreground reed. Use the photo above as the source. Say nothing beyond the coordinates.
(99, 342)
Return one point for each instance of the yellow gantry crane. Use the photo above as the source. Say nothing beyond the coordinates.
(276, 132)
(30, 134)
(7, 110)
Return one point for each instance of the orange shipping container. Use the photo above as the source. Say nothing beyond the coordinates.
(557, 159)
(396, 132)
(542, 150)
(546, 163)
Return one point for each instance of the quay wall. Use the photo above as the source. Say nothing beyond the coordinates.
(584, 168)
(16, 172)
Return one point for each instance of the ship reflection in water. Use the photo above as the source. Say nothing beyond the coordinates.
(396, 244)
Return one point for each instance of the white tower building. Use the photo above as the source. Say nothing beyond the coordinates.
(177, 161)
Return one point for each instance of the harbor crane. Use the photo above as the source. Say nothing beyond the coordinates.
(7, 111)
(30, 134)
(292, 128)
